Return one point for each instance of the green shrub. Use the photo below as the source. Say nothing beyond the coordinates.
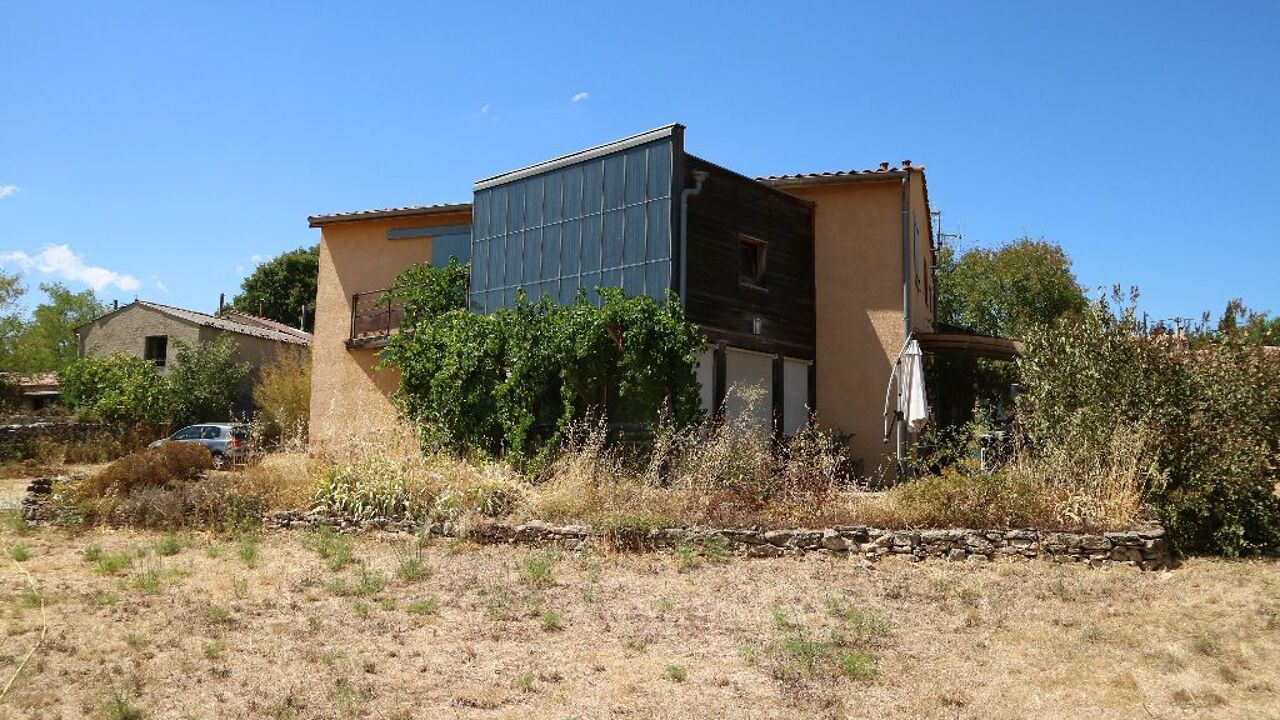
(514, 380)
(1211, 413)
(282, 394)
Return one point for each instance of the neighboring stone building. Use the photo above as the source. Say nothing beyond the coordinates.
(807, 286)
(151, 331)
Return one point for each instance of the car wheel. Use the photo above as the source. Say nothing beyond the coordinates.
(219, 461)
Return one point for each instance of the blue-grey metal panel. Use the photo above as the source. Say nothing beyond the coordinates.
(604, 221)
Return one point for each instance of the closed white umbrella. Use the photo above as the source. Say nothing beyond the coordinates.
(912, 403)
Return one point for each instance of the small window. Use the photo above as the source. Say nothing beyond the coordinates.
(916, 259)
(211, 433)
(156, 349)
(752, 254)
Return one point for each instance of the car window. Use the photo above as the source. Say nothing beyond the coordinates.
(211, 433)
(240, 433)
(187, 433)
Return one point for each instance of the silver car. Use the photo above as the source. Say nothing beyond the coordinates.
(227, 442)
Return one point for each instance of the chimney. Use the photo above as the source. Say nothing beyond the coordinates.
(906, 163)
(884, 166)
(222, 301)
(115, 304)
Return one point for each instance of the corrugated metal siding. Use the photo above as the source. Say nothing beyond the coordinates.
(602, 222)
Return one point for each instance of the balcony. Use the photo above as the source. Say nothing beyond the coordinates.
(373, 320)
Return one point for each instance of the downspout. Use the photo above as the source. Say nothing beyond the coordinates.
(699, 176)
(906, 298)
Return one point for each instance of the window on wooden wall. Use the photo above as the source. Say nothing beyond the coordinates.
(752, 257)
(156, 349)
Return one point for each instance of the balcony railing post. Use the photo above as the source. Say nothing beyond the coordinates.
(355, 307)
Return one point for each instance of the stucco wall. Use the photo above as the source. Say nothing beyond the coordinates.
(257, 352)
(125, 332)
(858, 278)
(349, 397)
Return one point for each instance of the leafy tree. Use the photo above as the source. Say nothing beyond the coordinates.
(205, 379)
(281, 287)
(1007, 290)
(47, 343)
(11, 324)
(1241, 324)
(124, 390)
(121, 390)
(515, 380)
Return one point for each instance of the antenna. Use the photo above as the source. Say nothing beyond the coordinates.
(942, 237)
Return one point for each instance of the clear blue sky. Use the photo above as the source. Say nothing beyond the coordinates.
(168, 146)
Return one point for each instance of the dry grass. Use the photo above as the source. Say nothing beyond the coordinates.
(511, 632)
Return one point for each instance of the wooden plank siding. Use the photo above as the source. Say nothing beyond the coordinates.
(728, 206)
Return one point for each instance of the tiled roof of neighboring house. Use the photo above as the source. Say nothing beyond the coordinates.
(223, 323)
(267, 323)
(294, 337)
(407, 211)
(32, 382)
(885, 170)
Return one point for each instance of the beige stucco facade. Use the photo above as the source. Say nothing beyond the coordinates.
(350, 394)
(859, 281)
(125, 333)
(858, 278)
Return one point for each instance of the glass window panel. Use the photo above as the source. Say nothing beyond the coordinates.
(591, 281)
(568, 289)
(614, 167)
(633, 280)
(658, 240)
(533, 202)
(532, 265)
(497, 211)
(551, 252)
(573, 191)
(657, 278)
(591, 244)
(633, 234)
(515, 207)
(611, 278)
(611, 243)
(553, 197)
(592, 187)
(570, 247)
(637, 169)
(480, 214)
(659, 170)
(515, 256)
(497, 270)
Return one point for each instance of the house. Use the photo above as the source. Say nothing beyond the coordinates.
(31, 392)
(806, 285)
(151, 331)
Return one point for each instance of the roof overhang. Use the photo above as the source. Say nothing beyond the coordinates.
(835, 178)
(581, 155)
(971, 344)
(388, 213)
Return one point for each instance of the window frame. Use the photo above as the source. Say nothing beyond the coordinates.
(761, 248)
(149, 343)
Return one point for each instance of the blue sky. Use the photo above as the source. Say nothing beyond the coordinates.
(161, 149)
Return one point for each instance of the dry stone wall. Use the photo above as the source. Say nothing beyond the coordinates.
(1145, 547)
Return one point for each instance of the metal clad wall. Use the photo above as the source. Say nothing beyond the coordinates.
(601, 222)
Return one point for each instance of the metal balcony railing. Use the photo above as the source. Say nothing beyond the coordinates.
(371, 318)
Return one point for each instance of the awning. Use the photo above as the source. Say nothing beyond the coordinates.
(971, 344)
